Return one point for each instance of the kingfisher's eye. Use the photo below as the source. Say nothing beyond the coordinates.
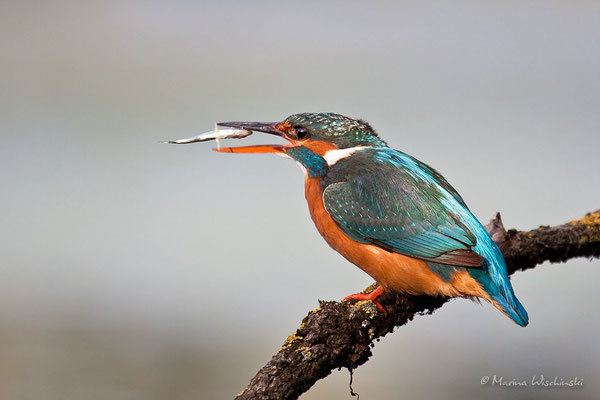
(301, 133)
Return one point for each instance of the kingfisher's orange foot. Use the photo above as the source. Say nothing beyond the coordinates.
(369, 296)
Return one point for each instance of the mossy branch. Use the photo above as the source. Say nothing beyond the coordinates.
(340, 335)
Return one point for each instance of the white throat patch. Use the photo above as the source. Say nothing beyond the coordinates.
(333, 156)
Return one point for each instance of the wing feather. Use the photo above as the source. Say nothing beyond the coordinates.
(389, 205)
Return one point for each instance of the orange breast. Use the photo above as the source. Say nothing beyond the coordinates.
(391, 270)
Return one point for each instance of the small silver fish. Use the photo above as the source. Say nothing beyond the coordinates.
(216, 134)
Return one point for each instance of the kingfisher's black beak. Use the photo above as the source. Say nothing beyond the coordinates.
(266, 127)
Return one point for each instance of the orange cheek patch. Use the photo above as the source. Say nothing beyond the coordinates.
(317, 147)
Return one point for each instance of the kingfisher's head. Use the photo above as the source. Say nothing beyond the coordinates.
(317, 140)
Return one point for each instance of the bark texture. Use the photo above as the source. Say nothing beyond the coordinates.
(341, 335)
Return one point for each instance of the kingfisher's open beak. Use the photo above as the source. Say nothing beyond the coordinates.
(266, 127)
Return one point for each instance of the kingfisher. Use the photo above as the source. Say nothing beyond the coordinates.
(393, 216)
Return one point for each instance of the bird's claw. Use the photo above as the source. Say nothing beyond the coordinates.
(369, 296)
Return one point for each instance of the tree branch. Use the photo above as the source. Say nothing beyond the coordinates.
(340, 335)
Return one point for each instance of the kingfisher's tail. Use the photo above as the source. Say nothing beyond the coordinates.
(511, 308)
(492, 275)
(494, 281)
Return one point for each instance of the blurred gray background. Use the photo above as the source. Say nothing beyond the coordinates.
(136, 270)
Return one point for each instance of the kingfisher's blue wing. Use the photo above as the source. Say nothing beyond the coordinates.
(383, 199)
